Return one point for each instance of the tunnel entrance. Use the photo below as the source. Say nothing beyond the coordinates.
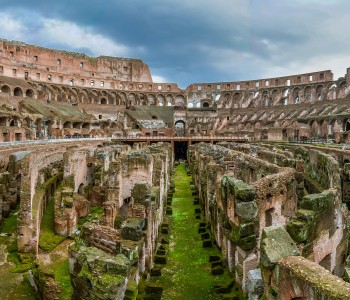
(180, 150)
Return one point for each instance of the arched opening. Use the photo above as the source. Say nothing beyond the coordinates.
(180, 128)
(5, 89)
(205, 104)
(3, 121)
(67, 125)
(18, 92)
(269, 217)
(264, 135)
(103, 101)
(124, 208)
(81, 189)
(347, 125)
(77, 125)
(29, 93)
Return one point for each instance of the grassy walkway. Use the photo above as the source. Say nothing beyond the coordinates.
(187, 273)
(13, 285)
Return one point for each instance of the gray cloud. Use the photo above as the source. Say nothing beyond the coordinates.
(188, 41)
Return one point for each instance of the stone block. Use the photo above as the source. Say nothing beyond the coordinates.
(318, 202)
(276, 243)
(254, 283)
(132, 229)
(246, 211)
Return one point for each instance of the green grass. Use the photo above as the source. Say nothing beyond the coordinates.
(9, 225)
(95, 214)
(62, 277)
(48, 238)
(187, 273)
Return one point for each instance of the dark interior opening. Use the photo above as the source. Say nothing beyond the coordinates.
(180, 150)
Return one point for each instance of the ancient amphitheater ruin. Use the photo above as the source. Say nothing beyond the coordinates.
(116, 187)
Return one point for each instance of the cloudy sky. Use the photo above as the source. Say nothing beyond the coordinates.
(187, 41)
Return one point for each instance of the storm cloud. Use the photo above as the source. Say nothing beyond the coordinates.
(186, 41)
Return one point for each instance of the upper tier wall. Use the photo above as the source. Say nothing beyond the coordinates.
(32, 60)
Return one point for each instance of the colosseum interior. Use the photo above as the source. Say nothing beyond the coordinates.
(116, 187)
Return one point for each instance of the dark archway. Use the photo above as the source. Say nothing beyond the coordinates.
(180, 150)
(81, 189)
(29, 93)
(180, 127)
(18, 92)
(205, 104)
(5, 89)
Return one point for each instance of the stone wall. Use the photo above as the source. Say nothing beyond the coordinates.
(241, 194)
(36, 189)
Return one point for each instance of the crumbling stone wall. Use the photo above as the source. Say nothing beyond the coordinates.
(241, 194)
(35, 190)
(287, 275)
(128, 243)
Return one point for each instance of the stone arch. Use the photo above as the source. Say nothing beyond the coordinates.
(170, 100)
(332, 91)
(6, 89)
(161, 100)
(123, 98)
(235, 100)
(94, 96)
(314, 129)
(180, 101)
(84, 96)
(18, 92)
(341, 90)
(112, 98)
(180, 128)
(319, 92)
(142, 99)
(29, 93)
(226, 100)
(131, 99)
(308, 94)
(205, 104)
(346, 124)
(103, 101)
(296, 95)
(266, 101)
(275, 94)
(151, 99)
(67, 124)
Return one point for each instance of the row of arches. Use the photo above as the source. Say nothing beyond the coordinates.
(284, 96)
(17, 91)
(93, 96)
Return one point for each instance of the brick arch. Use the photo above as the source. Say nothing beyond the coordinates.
(18, 92)
(6, 89)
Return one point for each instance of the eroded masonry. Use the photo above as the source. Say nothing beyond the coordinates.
(96, 161)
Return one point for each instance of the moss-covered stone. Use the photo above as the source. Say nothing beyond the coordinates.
(246, 211)
(276, 243)
(318, 202)
(132, 229)
(243, 235)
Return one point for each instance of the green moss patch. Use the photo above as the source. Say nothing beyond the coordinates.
(48, 239)
(95, 214)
